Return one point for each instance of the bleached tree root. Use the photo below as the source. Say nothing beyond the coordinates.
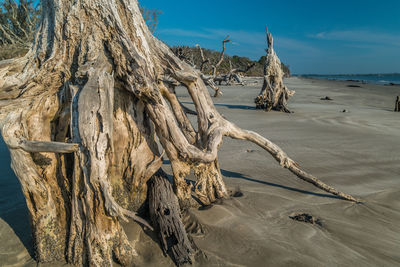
(167, 219)
(285, 161)
(209, 185)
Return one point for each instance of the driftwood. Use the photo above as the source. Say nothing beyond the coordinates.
(327, 98)
(274, 94)
(166, 218)
(210, 80)
(94, 81)
(233, 76)
(397, 104)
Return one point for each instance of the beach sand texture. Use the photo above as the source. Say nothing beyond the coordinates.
(356, 151)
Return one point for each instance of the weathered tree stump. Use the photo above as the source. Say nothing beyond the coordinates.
(81, 114)
(165, 215)
(397, 104)
(274, 94)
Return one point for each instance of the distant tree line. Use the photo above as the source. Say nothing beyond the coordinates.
(193, 55)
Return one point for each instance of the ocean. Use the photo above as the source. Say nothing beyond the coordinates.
(11, 198)
(383, 79)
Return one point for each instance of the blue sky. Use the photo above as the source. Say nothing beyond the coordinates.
(324, 37)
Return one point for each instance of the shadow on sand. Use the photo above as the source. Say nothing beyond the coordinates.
(228, 106)
(237, 175)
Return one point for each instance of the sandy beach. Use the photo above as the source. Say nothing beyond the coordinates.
(356, 151)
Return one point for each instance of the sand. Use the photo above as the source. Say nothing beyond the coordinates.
(355, 151)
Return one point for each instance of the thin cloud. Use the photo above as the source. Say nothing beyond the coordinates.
(185, 33)
(359, 36)
(244, 38)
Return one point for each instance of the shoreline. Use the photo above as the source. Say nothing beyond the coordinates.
(360, 81)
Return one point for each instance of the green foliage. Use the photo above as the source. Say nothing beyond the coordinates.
(193, 54)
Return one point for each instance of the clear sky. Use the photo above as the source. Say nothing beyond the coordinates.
(312, 36)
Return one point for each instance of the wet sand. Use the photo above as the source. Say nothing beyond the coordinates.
(355, 151)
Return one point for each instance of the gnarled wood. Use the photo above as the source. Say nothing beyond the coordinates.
(274, 94)
(94, 81)
(233, 76)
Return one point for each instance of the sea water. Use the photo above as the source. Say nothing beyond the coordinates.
(385, 79)
(11, 197)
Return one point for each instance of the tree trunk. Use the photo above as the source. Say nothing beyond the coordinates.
(397, 105)
(274, 94)
(81, 113)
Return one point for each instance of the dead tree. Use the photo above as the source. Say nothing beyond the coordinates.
(80, 114)
(274, 94)
(397, 104)
(210, 80)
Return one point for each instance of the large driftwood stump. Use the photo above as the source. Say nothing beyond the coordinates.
(397, 104)
(166, 218)
(274, 94)
(81, 114)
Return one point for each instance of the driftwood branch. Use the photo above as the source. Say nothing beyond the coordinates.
(41, 146)
(221, 59)
(284, 160)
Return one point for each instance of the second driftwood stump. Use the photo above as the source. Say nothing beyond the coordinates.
(274, 94)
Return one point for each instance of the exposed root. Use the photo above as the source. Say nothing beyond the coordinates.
(284, 160)
(209, 185)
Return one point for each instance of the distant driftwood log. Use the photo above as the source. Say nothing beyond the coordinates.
(274, 94)
(82, 115)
